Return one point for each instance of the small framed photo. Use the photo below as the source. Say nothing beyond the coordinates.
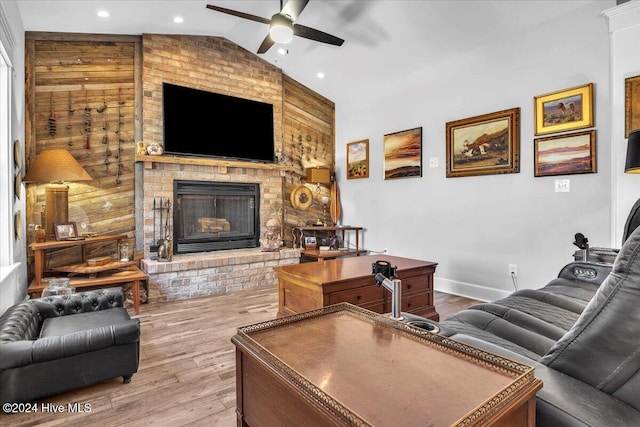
(403, 154)
(566, 154)
(631, 104)
(484, 145)
(310, 242)
(565, 110)
(65, 231)
(358, 159)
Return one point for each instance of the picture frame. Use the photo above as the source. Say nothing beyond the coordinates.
(310, 242)
(566, 154)
(564, 110)
(631, 104)
(358, 159)
(65, 231)
(488, 144)
(403, 154)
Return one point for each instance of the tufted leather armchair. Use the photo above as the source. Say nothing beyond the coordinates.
(54, 344)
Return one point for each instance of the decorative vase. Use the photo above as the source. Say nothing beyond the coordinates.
(154, 149)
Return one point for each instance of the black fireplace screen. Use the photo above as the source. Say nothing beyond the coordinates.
(210, 216)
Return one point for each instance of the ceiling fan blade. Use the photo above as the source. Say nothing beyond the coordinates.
(239, 14)
(266, 44)
(317, 35)
(293, 8)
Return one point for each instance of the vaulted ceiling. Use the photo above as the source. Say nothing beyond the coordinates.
(384, 39)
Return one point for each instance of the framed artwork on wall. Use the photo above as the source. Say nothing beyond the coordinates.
(484, 145)
(565, 154)
(565, 110)
(403, 154)
(358, 159)
(631, 104)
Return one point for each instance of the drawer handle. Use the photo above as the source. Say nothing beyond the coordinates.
(409, 287)
(358, 297)
(408, 304)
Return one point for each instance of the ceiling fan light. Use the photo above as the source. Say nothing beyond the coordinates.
(281, 30)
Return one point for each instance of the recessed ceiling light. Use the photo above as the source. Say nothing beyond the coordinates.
(282, 51)
(103, 14)
(178, 19)
(320, 75)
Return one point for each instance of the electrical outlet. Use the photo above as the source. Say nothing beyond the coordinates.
(433, 162)
(513, 270)
(563, 186)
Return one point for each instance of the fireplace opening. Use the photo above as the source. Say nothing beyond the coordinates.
(212, 216)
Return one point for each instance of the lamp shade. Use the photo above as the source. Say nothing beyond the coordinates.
(56, 166)
(281, 30)
(318, 176)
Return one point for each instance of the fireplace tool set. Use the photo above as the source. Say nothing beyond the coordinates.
(163, 238)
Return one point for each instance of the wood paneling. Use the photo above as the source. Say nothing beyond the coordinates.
(80, 96)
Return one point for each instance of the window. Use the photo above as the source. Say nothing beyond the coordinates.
(6, 162)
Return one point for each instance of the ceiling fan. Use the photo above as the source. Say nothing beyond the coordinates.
(283, 26)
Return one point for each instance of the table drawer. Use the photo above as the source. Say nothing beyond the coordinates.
(415, 284)
(357, 296)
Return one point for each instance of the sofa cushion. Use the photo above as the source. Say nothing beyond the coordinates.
(65, 325)
(603, 347)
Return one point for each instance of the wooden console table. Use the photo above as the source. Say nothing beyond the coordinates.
(343, 365)
(309, 286)
(320, 255)
(112, 273)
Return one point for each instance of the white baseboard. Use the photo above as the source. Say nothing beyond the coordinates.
(468, 290)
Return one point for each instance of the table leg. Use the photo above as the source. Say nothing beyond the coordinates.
(136, 295)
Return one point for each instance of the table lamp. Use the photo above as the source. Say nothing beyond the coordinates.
(55, 167)
(632, 165)
(318, 176)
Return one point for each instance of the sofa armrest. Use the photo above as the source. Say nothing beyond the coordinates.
(21, 353)
(585, 272)
(564, 400)
(81, 302)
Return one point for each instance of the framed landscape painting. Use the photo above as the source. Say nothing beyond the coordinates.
(358, 159)
(403, 154)
(566, 154)
(565, 110)
(631, 104)
(484, 145)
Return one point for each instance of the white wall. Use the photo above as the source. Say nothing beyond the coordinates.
(13, 279)
(474, 227)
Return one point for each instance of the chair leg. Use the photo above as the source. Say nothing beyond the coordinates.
(126, 379)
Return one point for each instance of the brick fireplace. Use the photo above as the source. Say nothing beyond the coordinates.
(196, 274)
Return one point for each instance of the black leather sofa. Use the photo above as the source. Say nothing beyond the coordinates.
(54, 344)
(581, 332)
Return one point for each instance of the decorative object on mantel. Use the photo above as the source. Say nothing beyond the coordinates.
(56, 166)
(154, 149)
(272, 239)
(141, 148)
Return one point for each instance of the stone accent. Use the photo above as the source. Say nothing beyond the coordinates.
(214, 273)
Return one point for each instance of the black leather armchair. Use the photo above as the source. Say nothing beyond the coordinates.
(54, 344)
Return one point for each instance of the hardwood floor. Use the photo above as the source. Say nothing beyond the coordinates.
(187, 366)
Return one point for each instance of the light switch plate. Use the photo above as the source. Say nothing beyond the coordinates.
(563, 185)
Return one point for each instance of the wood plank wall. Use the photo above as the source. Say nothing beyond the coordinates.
(80, 95)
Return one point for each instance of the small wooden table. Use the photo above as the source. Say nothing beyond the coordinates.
(112, 273)
(309, 286)
(343, 365)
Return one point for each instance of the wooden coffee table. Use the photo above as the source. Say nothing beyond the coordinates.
(343, 365)
(309, 286)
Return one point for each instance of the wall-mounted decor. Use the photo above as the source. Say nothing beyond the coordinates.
(403, 154)
(17, 224)
(17, 154)
(631, 104)
(18, 185)
(564, 110)
(484, 145)
(565, 154)
(358, 159)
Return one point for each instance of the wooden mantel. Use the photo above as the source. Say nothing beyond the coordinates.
(204, 161)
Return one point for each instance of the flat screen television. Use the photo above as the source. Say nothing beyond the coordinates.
(201, 123)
